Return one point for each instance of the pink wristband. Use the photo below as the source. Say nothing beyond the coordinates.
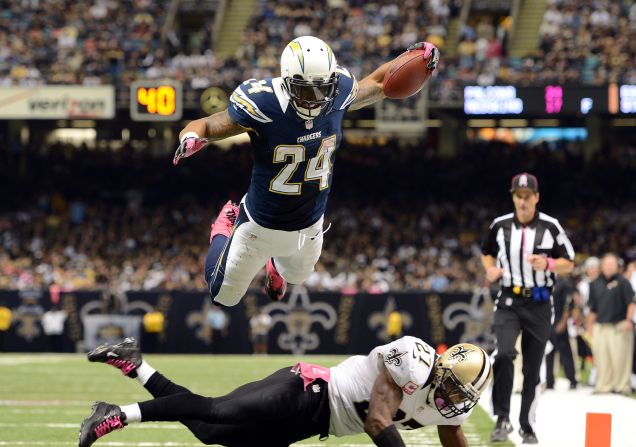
(551, 264)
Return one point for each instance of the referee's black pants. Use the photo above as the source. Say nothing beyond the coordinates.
(516, 315)
(275, 411)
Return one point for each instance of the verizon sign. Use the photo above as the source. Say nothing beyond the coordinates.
(57, 102)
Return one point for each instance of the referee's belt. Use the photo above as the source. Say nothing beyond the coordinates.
(535, 293)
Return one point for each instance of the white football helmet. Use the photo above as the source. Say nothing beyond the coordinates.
(308, 70)
(462, 373)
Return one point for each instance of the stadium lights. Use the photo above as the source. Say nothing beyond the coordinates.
(628, 98)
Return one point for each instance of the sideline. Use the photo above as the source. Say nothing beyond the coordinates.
(561, 416)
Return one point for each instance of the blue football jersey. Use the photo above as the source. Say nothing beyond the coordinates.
(293, 159)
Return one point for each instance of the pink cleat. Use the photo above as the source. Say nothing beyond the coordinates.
(104, 419)
(225, 221)
(275, 285)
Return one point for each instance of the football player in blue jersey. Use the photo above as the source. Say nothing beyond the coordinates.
(295, 125)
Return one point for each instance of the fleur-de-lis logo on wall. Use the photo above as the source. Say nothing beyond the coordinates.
(27, 323)
(28, 315)
(199, 319)
(300, 315)
(378, 320)
(476, 316)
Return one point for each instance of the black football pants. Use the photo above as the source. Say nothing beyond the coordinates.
(516, 315)
(274, 411)
(561, 344)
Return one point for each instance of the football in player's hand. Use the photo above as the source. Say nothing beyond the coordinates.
(407, 74)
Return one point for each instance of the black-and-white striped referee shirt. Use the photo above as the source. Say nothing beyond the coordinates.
(510, 243)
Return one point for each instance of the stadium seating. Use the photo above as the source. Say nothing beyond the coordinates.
(63, 42)
(424, 232)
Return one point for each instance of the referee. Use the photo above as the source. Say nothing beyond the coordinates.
(523, 251)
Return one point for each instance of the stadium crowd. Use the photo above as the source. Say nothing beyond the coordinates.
(580, 42)
(97, 43)
(64, 42)
(67, 42)
(417, 229)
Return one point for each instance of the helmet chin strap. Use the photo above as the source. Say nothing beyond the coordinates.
(304, 116)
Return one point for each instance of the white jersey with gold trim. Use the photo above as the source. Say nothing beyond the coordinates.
(410, 362)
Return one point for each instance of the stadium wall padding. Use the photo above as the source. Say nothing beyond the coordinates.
(303, 323)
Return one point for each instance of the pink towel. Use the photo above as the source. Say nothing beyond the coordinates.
(311, 373)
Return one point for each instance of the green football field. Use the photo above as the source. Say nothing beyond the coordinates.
(44, 398)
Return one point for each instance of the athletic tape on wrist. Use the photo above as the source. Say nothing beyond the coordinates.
(188, 135)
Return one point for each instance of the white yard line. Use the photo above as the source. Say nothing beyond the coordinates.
(65, 425)
(42, 403)
(101, 443)
(33, 359)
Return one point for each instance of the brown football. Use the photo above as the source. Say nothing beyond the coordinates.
(406, 75)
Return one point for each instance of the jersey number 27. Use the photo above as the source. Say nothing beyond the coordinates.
(318, 167)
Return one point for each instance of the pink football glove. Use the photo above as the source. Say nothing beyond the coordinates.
(188, 147)
(430, 50)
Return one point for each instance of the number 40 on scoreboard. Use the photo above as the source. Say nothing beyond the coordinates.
(156, 100)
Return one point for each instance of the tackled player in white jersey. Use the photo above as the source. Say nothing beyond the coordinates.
(401, 385)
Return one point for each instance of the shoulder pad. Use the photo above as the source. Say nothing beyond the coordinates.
(253, 97)
(409, 361)
(347, 88)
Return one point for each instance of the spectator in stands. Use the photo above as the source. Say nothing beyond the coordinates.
(394, 325)
(611, 325)
(559, 338)
(5, 323)
(154, 324)
(53, 322)
(217, 324)
(630, 274)
(591, 269)
(260, 325)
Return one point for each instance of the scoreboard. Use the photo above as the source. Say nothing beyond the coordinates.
(549, 100)
(152, 100)
(162, 100)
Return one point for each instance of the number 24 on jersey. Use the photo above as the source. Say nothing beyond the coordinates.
(318, 168)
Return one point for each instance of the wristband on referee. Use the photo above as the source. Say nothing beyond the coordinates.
(188, 135)
(551, 264)
(389, 437)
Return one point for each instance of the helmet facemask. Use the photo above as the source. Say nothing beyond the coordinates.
(462, 373)
(311, 99)
(451, 397)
